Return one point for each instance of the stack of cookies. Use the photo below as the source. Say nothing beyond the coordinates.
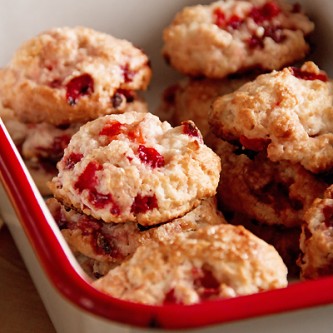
(275, 150)
(61, 79)
(269, 123)
(135, 200)
(128, 173)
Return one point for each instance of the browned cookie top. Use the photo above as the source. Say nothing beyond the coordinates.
(74, 74)
(232, 36)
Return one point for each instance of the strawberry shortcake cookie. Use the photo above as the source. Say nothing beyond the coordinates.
(287, 114)
(213, 262)
(227, 37)
(134, 168)
(74, 75)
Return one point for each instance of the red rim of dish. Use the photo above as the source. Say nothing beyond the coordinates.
(76, 289)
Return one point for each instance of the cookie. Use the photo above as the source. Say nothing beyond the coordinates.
(316, 240)
(287, 113)
(134, 168)
(112, 243)
(75, 75)
(272, 193)
(227, 37)
(213, 262)
(191, 99)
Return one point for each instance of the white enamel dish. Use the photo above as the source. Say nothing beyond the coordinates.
(73, 305)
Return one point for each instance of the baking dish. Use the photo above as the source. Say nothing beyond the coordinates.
(73, 305)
